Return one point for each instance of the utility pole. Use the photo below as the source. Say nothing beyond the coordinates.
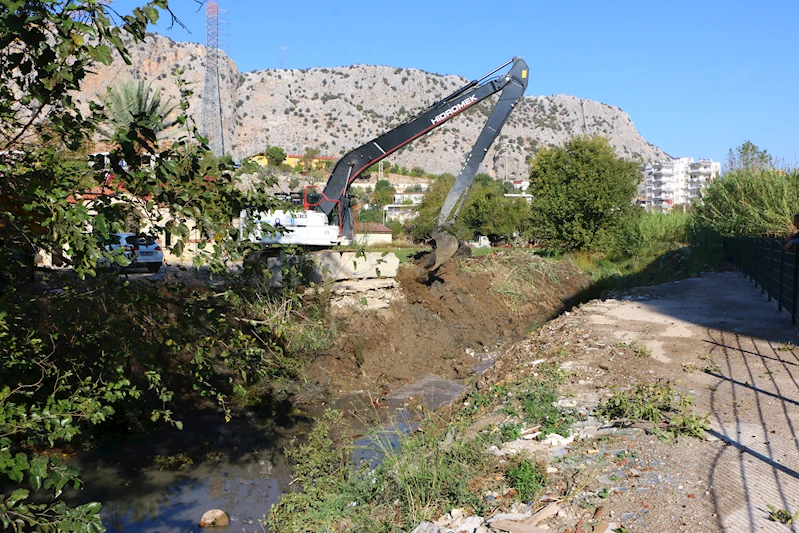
(212, 105)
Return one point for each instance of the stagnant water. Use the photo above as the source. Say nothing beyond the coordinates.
(163, 482)
(237, 467)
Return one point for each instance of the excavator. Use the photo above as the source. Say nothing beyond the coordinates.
(327, 218)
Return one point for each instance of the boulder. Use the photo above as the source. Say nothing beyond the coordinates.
(214, 518)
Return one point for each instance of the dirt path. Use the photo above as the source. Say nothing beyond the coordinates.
(717, 338)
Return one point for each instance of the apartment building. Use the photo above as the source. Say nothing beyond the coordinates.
(677, 182)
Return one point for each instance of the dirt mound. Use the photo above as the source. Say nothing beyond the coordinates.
(444, 323)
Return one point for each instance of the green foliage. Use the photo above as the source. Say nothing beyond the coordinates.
(275, 155)
(485, 212)
(488, 212)
(749, 157)
(637, 234)
(103, 352)
(383, 193)
(308, 158)
(752, 198)
(582, 193)
(135, 101)
(749, 203)
(539, 409)
(527, 478)
(510, 432)
(113, 353)
(659, 404)
(440, 466)
(420, 481)
(783, 516)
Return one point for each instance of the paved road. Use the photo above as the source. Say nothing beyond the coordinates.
(722, 323)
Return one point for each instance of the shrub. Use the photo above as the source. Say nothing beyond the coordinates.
(527, 478)
(582, 192)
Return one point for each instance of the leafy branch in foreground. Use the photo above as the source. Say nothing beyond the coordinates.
(70, 362)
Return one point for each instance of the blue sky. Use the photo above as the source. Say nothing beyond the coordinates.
(696, 77)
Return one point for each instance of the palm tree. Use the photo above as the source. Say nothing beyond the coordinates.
(135, 104)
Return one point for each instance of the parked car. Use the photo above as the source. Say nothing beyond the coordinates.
(142, 251)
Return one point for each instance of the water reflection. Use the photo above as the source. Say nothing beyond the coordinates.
(165, 501)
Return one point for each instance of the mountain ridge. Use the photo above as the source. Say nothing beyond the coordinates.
(337, 109)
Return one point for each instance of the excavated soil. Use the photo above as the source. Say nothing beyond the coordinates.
(447, 324)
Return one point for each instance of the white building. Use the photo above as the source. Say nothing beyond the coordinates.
(677, 182)
(699, 175)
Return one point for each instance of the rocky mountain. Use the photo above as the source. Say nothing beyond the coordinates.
(338, 109)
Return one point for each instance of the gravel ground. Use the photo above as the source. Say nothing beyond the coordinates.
(716, 338)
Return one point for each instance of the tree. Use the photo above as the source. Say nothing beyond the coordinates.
(275, 155)
(308, 158)
(383, 194)
(749, 157)
(582, 192)
(135, 100)
(486, 211)
(751, 198)
(50, 391)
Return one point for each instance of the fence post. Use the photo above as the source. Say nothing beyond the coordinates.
(795, 290)
(769, 269)
(760, 266)
(782, 268)
(755, 261)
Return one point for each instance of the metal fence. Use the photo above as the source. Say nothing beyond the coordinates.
(770, 267)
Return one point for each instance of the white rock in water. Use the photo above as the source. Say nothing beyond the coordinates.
(214, 518)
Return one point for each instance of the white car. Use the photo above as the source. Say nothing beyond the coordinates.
(142, 251)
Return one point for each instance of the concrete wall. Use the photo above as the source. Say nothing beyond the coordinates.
(373, 239)
(331, 265)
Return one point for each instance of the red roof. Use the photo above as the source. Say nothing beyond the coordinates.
(112, 188)
(318, 157)
(372, 227)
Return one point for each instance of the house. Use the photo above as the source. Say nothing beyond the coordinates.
(156, 221)
(318, 162)
(372, 234)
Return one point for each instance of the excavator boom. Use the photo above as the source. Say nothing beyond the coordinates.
(328, 219)
(355, 162)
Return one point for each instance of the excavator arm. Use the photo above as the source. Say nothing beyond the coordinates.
(335, 196)
(328, 216)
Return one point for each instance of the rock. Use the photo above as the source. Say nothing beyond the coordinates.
(517, 527)
(550, 510)
(513, 517)
(427, 527)
(468, 525)
(214, 518)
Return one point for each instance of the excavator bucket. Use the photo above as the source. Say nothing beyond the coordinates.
(446, 246)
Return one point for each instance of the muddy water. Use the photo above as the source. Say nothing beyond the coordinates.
(237, 467)
(174, 501)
